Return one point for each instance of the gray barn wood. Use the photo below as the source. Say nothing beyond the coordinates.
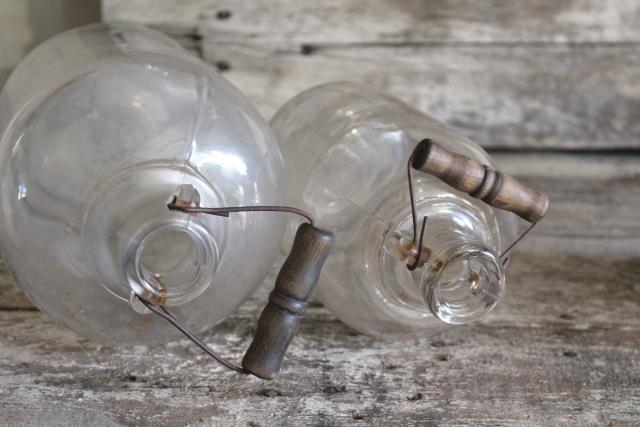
(369, 22)
(544, 83)
(509, 74)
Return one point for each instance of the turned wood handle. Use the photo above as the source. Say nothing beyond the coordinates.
(281, 317)
(491, 186)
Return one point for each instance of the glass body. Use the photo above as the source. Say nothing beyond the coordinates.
(101, 127)
(346, 148)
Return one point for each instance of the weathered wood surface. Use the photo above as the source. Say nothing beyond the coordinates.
(388, 21)
(280, 319)
(563, 348)
(500, 96)
(509, 74)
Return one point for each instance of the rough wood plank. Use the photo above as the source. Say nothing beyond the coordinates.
(500, 96)
(544, 357)
(387, 21)
(516, 88)
(595, 200)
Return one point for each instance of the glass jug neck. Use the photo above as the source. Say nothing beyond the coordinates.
(136, 245)
(459, 277)
(171, 262)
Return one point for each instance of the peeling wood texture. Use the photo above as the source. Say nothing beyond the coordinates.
(560, 74)
(563, 348)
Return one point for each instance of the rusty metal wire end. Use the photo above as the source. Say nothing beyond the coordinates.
(504, 255)
(175, 205)
(416, 263)
(163, 312)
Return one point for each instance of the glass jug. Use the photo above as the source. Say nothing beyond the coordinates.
(346, 148)
(101, 127)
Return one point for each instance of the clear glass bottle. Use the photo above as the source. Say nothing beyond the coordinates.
(101, 127)
(346, 148)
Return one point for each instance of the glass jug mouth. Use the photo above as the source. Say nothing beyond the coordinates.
(171, 263)
(464, 283)
(137, 245)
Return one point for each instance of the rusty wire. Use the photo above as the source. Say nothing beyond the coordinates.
(414, 215)
(225, 211)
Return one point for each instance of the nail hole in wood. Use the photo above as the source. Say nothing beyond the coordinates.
(307, 49)
(223, 66)
(223, 14)
(270, 392)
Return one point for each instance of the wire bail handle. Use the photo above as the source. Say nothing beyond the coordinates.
(465, 174)
(294, 285)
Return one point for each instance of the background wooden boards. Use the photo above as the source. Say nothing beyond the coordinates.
(559, 75)
(387, 21)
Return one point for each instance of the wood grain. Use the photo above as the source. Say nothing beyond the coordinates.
(387, 21)
(594, 202)
(500, 96)
(532, 74)
(553, 352)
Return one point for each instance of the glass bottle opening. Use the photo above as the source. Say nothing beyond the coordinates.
(172, 263)
(137, 244)
(459, 277)
(464, 283)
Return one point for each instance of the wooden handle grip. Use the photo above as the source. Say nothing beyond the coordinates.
(491, 186)
(281, 317)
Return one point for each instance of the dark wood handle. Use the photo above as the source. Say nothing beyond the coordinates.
(281, 317)
(491, 186)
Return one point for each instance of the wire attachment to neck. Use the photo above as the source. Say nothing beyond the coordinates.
(163, 312)
(418, 261)
(176, 205)
(493, 187)
(280, 318)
